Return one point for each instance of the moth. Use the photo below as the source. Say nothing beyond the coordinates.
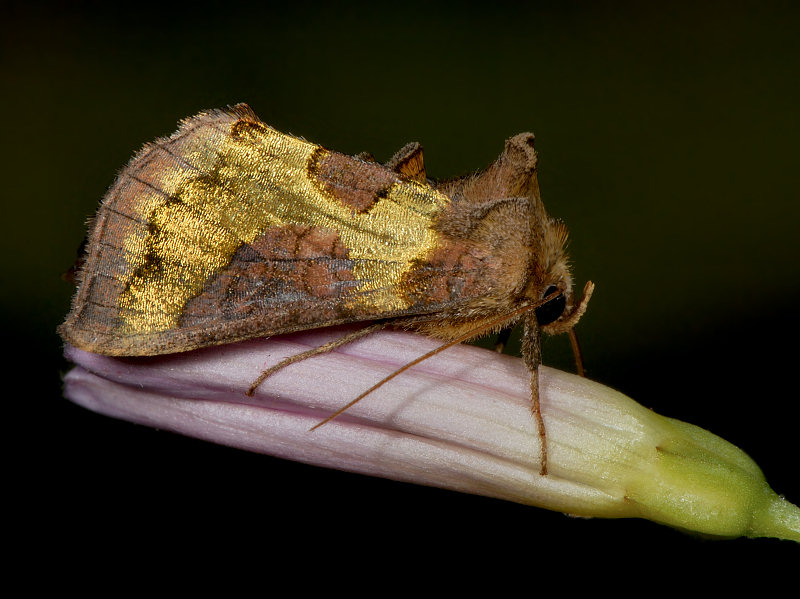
(228, 230)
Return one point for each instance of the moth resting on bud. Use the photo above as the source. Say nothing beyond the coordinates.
(229, 230)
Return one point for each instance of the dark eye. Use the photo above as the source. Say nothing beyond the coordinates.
(553, 309)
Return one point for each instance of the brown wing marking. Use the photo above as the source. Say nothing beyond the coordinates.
(292, 276)
(354, 183)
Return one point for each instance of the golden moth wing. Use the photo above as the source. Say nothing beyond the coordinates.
(228, 230)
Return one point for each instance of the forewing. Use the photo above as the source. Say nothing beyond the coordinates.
(229, 229)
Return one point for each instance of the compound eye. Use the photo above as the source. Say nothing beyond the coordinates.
(553, 309)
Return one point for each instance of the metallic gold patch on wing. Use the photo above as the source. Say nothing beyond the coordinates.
(231, 179)
(381, 261)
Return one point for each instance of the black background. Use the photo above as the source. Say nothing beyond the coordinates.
(668, 143)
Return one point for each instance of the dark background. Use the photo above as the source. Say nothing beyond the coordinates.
(668, 143)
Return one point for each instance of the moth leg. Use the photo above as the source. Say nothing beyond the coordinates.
(536, 410)
(576, 352)
(532, 355)
(502, 339)
(322, 349)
